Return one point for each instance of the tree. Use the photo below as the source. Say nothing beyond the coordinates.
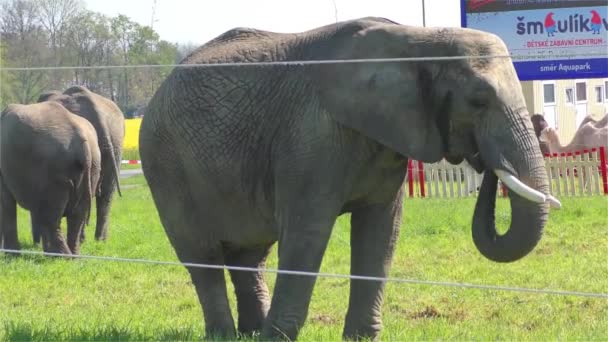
(55, 15)
(64, 33)
(183, 50)
(25, 43)
(89, 39)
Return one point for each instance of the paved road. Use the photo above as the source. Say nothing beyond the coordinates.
(130, 173)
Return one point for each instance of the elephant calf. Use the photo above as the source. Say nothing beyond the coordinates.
(50, 165)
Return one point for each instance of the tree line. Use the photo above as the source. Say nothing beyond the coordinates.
(59, 33)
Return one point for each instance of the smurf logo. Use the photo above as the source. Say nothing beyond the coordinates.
(550, 26)
(596, 22)
(577, 22)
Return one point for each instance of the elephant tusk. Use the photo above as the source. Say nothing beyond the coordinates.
(554, 202)
(525, 191)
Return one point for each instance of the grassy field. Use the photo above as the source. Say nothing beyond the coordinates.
(54, 299)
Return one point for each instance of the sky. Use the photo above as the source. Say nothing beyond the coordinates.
(198, 21)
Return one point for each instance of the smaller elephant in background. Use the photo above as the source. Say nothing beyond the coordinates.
(50, 164)
(109, 123)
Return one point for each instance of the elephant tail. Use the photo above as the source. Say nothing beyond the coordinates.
(108, 149)
(115, 167)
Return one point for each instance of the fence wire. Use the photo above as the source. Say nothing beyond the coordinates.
(301, 62)
(304, 273)
(317, 274)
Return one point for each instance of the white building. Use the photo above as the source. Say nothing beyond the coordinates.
(565, 103)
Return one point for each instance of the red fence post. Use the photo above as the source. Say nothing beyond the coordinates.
(410, 177)
(603, 169)
(421, 178)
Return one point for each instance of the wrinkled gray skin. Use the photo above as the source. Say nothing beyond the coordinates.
(109, 124)
(49, 165)
(238, 158)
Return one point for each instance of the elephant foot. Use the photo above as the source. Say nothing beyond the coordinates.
(15, 246)
(217, 333)
(272, 332)
(61, 249)
(362, 331)
(360, 336)
(12, 254)
(101, 236)
(249, 329)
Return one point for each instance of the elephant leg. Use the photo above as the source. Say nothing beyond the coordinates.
(302, 243)
(374, 231)
(48, 220)
(181, 221)
(52, 238)
(35, 232)
(253, 300)
(76, 222)
(210, 285)
(8, 219)
(104, 200)
(82, 234)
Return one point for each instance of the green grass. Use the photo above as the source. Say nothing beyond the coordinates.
(130, 154)
(55, 299)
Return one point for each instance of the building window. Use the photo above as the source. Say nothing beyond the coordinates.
(599, 94)
(569, 95)
(581, 91)
(606, 91)
(549, 93)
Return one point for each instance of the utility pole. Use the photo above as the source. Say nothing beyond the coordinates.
(153, 14)
(423, 15)
(335, 10)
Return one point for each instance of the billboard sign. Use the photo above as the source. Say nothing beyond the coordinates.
(549, 39)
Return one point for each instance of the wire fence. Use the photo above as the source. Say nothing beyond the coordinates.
(295, 272)
(316, 274)
(299, 62)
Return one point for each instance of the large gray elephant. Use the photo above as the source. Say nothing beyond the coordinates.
(240, 157)
(109, 124)
(49, 165)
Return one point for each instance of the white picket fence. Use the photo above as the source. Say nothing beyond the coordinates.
(574, 174)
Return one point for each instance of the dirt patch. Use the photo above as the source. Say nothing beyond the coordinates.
(428, 312)
(431, 312)
(324, 319)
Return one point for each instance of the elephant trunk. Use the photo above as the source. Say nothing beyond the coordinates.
(527, 223)
(528, 184)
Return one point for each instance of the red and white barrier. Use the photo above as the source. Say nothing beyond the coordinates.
(570, 174)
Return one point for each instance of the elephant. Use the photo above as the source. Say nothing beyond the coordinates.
(109, 123)
(50, 164)
(239, 157)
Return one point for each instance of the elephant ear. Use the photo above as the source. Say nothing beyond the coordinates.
(393, 103)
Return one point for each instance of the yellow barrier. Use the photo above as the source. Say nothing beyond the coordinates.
(132, 134)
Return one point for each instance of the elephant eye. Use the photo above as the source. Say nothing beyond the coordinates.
(478, 103)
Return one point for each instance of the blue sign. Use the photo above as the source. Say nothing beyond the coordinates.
(557, 39)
